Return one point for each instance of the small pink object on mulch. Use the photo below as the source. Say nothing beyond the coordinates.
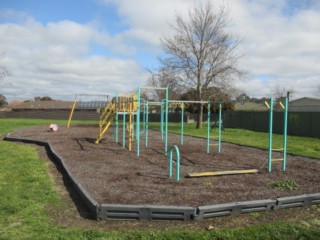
(53, 127)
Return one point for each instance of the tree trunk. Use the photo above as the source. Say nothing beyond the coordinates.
(200, 109)
(200, 116)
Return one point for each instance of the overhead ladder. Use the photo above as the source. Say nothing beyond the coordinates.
(106, 119)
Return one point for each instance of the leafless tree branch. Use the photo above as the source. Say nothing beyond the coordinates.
(201, 54)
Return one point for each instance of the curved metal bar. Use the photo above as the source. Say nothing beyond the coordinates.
(174, 147)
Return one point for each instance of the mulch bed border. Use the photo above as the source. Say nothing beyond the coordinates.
(158, 212)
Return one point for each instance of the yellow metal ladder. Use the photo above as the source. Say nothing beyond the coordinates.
(106, 118)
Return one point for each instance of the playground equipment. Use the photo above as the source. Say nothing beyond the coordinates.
(182, 104)
(119, 105)
(285, 125)
(219, 129)
(87, 101)
(138, 116)
(116, 105)
(220, 173)
(174, 147)
(110, 107)
(133, 105)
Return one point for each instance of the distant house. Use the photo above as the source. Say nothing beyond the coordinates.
(250, 106)
(305, 105)
(58, 105)
(43, 105)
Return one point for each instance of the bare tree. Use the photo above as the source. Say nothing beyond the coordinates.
(164, 78)
(4, 73)
(201, 53)
(280, 93)
(317, 90)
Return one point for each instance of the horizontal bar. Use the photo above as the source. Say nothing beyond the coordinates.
(153, 88)
(277, 149)
(155, 103)
(96, 95)
(277, 159)
(182, 101)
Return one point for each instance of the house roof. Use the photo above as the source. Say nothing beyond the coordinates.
(58, 104)
(305, 101)
(44, 105)
(250, 106)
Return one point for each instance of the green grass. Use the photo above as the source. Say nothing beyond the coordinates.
(303, 146)
(10, 124)
(27, 192)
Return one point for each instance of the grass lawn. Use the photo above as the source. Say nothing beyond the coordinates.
(27, 191)
(304, 146)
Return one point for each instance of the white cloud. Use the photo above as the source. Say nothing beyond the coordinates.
(280, 40)
(55, 60)
(148, 19)
(279, 44)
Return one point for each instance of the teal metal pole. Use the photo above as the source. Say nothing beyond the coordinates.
(117, 119)
(270, 135)
(147, 122)
(144, 116)
(170, 164)
(162, 119)
(208, 128)
(167, 120)
(177, 162)
(182, 124)
(138, 123)
(124, 129)
(285, 129)
(220, 126)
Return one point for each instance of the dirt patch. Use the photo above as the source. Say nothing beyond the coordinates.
(114, 175)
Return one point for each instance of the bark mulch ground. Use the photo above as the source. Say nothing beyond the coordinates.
(114, 175)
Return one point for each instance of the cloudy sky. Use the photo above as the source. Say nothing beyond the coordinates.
(62, 47)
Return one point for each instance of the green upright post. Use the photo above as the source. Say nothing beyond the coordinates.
(124, 129)
(117, 119)
(285, 128)
(270, 135)
(208, 128)
(147, 122)
(182, 123)
(138, 123)
(162, 119)
(220, 126)
(177, 162)
(144, 116)
(167, 120)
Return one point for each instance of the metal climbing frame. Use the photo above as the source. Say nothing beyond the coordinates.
(138, 116)
(88, 101)
(219, 129)
(285, 127)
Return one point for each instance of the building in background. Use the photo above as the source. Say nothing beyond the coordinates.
(305, 105)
